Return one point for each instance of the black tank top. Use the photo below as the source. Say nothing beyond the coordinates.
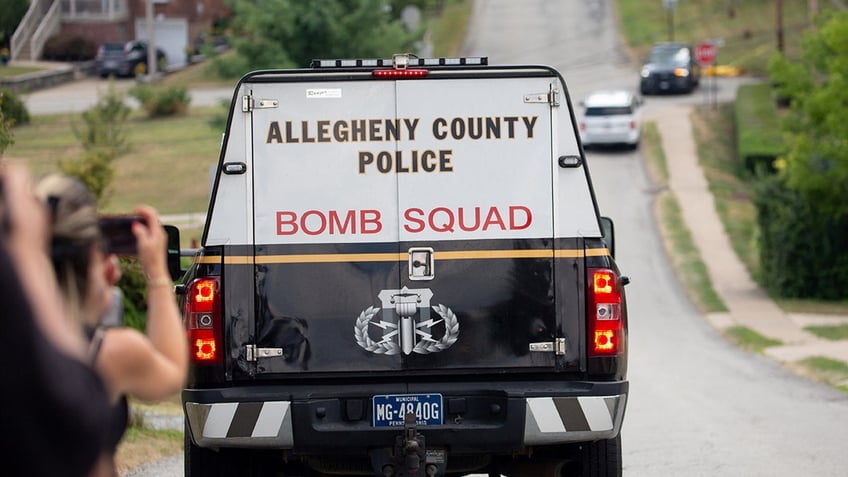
(119, 414)
(51, 407)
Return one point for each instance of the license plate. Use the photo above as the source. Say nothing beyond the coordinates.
(390, 409)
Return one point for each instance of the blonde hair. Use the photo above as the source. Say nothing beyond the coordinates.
(74, 231)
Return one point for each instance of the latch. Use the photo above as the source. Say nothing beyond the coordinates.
(249, 103)
(252, 353)
(421, 263)
(557, 347)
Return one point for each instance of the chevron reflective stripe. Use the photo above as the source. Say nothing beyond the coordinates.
(270, 419)
(562, 419)
(219, 419)
(251, 424)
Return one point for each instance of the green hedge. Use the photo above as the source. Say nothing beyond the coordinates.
(758, 140)
(803, 252)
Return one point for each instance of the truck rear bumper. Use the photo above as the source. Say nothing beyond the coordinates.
(495, 420)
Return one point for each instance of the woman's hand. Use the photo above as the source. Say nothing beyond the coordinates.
(152, 244)
(23, 212)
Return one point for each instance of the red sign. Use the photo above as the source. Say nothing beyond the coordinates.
(705, 53)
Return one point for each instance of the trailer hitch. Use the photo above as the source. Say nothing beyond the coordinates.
(410, 449)
(409, 456)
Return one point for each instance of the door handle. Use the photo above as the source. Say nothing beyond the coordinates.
(421, 263)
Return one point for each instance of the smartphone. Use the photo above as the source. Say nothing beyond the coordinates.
(117, 231)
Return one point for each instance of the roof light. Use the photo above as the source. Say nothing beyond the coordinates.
(401, 61)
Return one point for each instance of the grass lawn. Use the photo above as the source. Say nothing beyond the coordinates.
(746, 31)
(12, 71)
(167, 165)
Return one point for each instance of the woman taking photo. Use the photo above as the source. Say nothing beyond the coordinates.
(147, 366)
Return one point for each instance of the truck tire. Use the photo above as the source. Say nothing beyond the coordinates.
(598, 459)
(201, 462)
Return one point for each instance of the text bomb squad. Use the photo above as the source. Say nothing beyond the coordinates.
(414, 220)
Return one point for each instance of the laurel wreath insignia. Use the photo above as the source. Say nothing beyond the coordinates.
(360, 330)
(449, 338)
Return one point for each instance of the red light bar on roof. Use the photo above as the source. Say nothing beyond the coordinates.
(399, 74)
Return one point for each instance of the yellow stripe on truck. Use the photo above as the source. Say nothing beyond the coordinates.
(402, 257)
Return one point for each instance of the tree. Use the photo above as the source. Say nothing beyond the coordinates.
(10, 16)
(802, 211)
(816, 165)
(103, 137)
(291, 33)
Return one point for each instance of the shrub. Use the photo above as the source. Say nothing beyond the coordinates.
(162, 101)
(802, 247)
(14, 110)
(6, 138)
(69, 47)
(133, 285)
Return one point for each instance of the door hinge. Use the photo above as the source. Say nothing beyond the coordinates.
(252, 353)
(551, 97)
(249, 103)
(557, 346)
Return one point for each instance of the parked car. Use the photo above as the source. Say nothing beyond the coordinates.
(126, 59)
(611, 117)
(670, 67)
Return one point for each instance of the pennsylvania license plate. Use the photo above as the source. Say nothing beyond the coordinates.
(390, 409)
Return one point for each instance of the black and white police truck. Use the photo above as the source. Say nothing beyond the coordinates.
(404, 272)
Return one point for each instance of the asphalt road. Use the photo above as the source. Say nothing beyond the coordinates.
(698, 406)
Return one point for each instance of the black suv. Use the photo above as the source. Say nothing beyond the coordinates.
(126, 59)
(670, 67)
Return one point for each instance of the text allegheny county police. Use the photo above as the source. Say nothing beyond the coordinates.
(401, 130)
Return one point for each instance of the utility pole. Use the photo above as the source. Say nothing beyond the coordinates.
(778, 7)
(151, 42)
(670, 6)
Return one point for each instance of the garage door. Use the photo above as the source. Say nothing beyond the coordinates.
(170, 35)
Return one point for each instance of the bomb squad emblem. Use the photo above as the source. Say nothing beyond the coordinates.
(405, 324)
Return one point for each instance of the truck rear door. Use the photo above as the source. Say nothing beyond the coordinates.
(403, 225)
(476, 223)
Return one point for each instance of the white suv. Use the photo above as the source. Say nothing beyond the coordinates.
(611, 117)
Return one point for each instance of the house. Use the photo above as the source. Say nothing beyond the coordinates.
(175, 23)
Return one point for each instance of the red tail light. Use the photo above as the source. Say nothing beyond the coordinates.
(606, 320)
(632, 124)
(203, 321)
